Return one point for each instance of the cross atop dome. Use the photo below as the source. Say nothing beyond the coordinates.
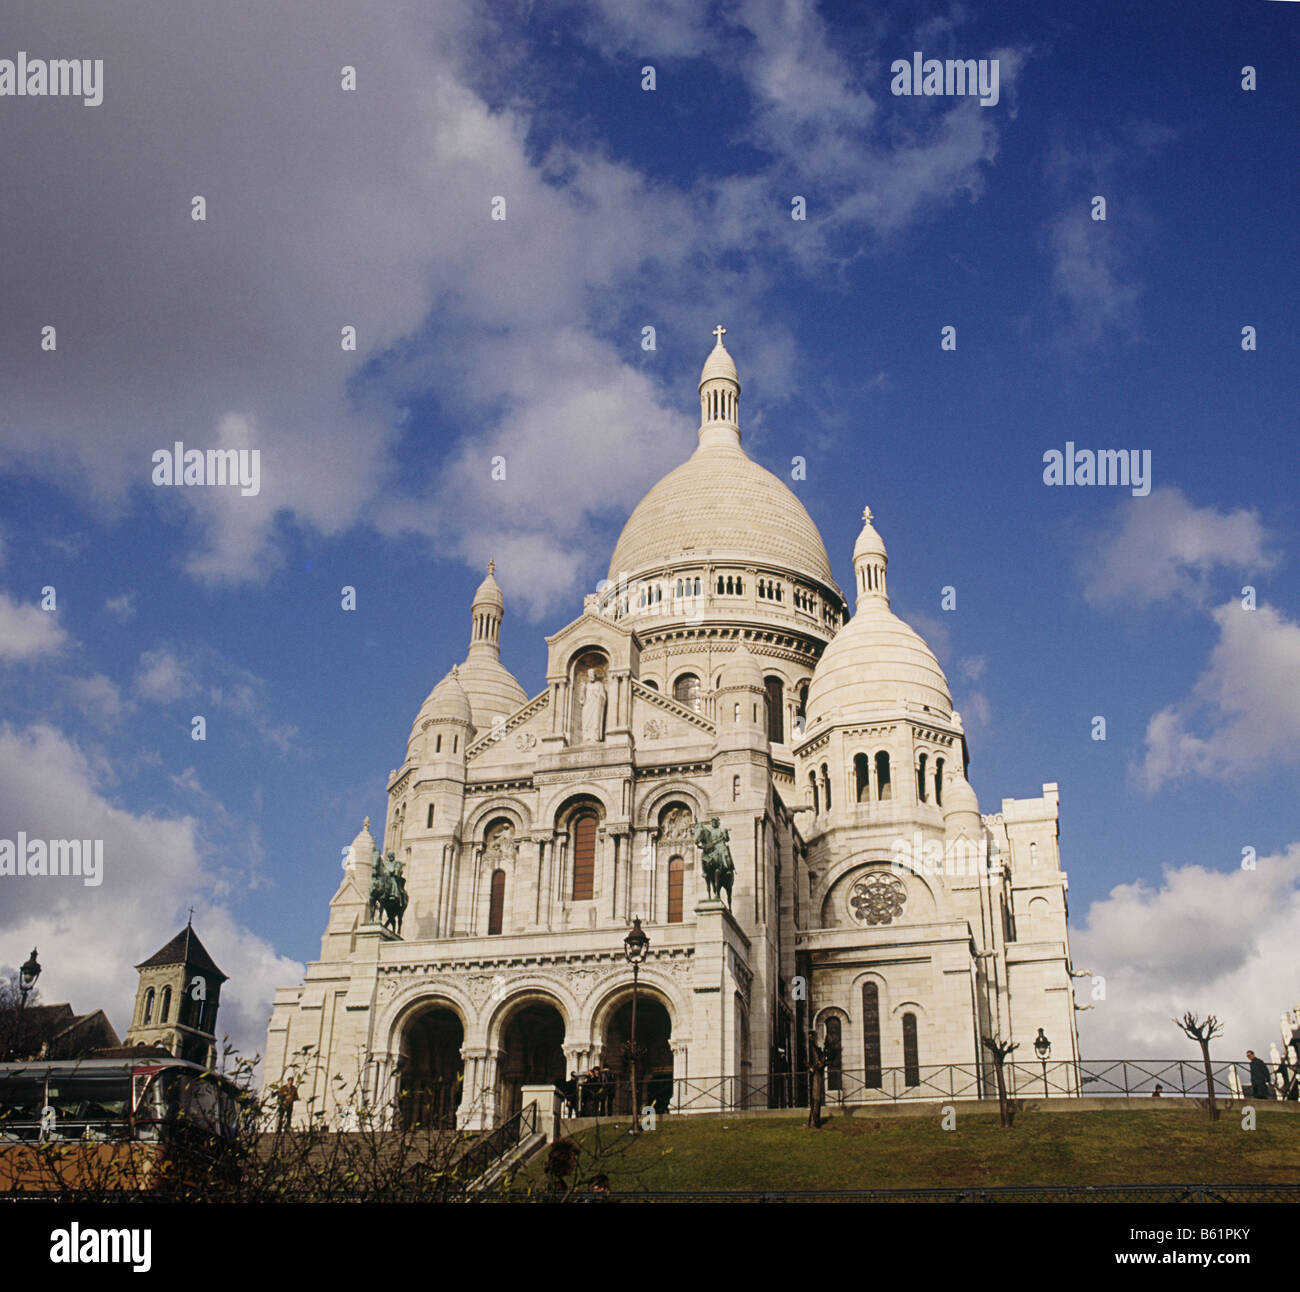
(719, 332)
(492, 566)
(866, 515)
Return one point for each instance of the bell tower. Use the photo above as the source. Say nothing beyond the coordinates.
(177, 998)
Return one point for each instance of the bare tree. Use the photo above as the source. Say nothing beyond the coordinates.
(1203, 1034)
(1000, 1049)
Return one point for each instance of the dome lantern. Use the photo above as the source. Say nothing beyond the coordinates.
(493, 690)
(869, 562)
(488, 609)
(719, 396)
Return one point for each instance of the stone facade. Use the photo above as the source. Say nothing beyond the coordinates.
(716, 673)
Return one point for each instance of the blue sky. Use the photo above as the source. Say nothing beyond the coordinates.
(521, 338)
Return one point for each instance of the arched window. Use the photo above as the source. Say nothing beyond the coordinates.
(686, 690)
(812, 782)
(148, 1007)
(729, 583)
(697, 587)
(497, 905)
(584, 857)
(862, 777)
(801, 713)
(165, 1012)
(676, 879)
(722, 584)
(920, 779)
(428, 823)
(883, 788)
(826, 786)
(871, 1035)
(650, 682)
(911, 1061)
(679, 588)
(740, 586)
(833, 1051)
(938, 782)
(775, 689)
(437, 744)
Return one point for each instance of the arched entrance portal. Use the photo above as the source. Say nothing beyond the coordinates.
(655, 1062)
(432, 1072)
(532, 1053)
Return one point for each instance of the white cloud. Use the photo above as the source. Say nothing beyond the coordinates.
(1089, 272)
(163, 677)
(99, 698)
(121, 607)
(1213, 942)
(1243, 715)
(90, 937)
(27, 631)
(1093, 260)
(1166, 549)
(202, 675)
(373, 210)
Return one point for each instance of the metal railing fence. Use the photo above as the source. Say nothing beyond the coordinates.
(1027, 1079)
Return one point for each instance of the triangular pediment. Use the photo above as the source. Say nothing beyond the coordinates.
(659, 721)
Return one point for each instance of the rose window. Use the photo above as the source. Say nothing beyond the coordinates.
(877, 899)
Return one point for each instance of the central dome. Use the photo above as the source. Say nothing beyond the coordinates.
(719, 504)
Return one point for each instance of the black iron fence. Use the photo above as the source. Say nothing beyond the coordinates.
(1030, 1079)
(489, 1149)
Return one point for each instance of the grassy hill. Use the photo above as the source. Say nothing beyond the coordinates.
(1171, 1144)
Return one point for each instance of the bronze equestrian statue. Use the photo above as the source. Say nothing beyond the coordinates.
(716, 864)
(388, 892)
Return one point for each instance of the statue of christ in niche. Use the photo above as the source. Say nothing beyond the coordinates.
(594, 702)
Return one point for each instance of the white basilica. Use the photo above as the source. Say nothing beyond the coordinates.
(719, 672)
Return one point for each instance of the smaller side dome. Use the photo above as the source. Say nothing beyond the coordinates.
(362, 849)
(449, 702)
(959, 799)
(741, 670)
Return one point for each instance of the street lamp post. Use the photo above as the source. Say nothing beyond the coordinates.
(635, 946)
(1043, 1048)
(27, 977)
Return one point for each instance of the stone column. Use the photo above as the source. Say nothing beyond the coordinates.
(539, 896)
(478, 1101)
(605, 875)
(560, 865)
(474, 902)
(683, 1094)
(652, 875)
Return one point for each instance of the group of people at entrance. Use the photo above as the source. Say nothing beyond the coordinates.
(590, 1093)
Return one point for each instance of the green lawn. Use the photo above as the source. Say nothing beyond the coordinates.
(1126, 1146)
